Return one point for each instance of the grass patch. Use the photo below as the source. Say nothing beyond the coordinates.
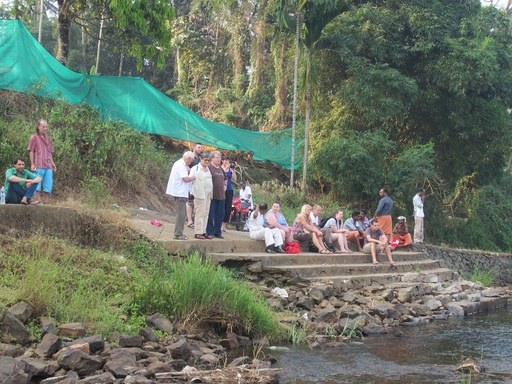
(195, 292)
(487, 278)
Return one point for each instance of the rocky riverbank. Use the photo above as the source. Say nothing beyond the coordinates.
(325, 314)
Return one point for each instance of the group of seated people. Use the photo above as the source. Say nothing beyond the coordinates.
(329, 235)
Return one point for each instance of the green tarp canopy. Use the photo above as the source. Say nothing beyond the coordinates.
(26, 66)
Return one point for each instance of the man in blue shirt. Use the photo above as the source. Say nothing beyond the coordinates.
(383, 212)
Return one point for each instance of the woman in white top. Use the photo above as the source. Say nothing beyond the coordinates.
(202, 190)
(335, 223)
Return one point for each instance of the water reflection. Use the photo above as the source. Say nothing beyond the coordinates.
(426, 354)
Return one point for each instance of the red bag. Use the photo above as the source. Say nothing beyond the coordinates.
(292, 247)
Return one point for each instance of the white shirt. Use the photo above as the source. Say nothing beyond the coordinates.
(255, 224)
(418, 206)
(246, 195)
(314, 218)
(176, 186)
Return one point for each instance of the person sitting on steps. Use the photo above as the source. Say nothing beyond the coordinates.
(272, 237)
(375, 242)
(304, 230)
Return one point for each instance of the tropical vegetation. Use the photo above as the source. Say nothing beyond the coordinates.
(401, 94)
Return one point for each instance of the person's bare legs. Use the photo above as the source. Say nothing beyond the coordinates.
(388, 254)
(190, 210)
(38, 196)
(319, 244)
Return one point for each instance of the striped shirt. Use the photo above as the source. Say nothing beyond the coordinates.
(42, 147)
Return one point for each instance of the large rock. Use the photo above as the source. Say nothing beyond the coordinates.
(104, 378)
(22, 311)
(14, 329)
(11, 350)
(149, 335)
(49, 345)
(455, 309)
(182, 349)
(73, 330)
(75, 360)
(13, 371)
(96, 342)
(131, 341)
(327, 315)
(160, 322)
(121, 364)
(39, 368)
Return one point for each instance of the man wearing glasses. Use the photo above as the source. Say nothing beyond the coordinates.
(375, 242)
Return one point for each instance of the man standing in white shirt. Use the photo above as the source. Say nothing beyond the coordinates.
(418, 201)
(246, 193)
(178, 187)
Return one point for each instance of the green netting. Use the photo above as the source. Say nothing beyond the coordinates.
(25, 66)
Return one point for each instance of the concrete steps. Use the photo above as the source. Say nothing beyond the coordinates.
(237, 250)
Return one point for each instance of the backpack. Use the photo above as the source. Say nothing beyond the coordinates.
(292, 247)
(323, 221)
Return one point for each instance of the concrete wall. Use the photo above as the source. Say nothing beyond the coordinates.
(465, 261)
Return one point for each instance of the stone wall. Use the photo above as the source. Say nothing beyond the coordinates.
(465, 261)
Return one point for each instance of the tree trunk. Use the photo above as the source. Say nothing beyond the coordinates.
(295, 81)
(306, 123)
(63, 32)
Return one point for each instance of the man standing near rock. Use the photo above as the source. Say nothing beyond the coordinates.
(41, 161)
(419, 215)
(383, 212)
(178, 187)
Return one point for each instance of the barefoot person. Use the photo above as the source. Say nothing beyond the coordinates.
(20, 184)
(375, 242)
(304, 230)
(338, 233)
(41, 160)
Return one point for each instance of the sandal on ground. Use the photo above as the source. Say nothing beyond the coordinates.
(209, 237)
(182, 237)
(191, 225)
(394, 265)
(375, 262)
(324, 252)
(200, 237)
(33, 202)
(24, 202)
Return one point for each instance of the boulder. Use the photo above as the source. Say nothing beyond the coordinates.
(104, 378)
(14, 329)
(230, 341)
(121, 364)
(49, 345)
(39, 368)
(327, 315)
(73, 359)
(131, 341)
(455, 309)
(73, 330)
(96, 342)
(11, 350)
(158, 367)
(13, 371)
(149, 335)
(160, 322)
(22, 311)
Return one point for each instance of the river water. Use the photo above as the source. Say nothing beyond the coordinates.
(425, 354)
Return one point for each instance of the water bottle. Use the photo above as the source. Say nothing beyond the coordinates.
(2, 195)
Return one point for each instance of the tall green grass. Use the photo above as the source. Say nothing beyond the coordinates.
(196, 292)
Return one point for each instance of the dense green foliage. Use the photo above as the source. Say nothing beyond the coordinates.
(396, 94)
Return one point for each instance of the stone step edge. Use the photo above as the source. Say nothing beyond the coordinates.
(298, 255)
(385, 264)
(379, 275)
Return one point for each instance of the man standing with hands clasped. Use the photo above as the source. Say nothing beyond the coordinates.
(419, 215)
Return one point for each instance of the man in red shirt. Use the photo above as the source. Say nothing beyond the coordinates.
(41, 160)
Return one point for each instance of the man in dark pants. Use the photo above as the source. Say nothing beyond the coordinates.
(20, 184)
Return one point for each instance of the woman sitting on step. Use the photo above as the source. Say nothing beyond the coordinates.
(303, 230)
